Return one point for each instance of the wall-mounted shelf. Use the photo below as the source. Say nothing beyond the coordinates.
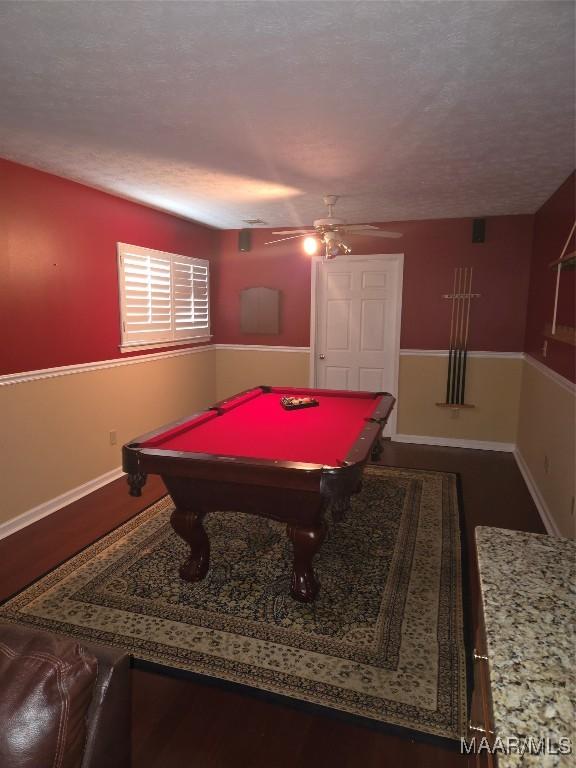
(555, 331)
(564, 333)
(567, 261)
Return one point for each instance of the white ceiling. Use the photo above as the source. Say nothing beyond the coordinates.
(224, 111)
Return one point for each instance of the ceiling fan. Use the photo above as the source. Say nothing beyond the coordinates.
(332, 233)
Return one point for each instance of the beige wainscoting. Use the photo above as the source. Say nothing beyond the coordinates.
(493, 385)
(56, 430)
(56, 426)
(239, 368)
(546, 443)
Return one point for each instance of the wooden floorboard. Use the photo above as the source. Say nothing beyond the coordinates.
(180, 723)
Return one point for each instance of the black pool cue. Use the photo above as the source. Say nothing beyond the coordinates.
(461, 332)
(456, 371)
(465, 353)
(455, 351)
(462, 344)
(451, 347)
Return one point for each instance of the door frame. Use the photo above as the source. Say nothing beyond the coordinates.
(317, 263)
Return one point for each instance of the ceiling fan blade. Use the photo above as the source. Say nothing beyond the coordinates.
(374, 233)
(281, 239)
(294, 232)
(354, 227)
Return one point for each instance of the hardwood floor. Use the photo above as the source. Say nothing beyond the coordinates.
(186, 723)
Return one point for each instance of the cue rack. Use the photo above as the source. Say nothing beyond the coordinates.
(461, 298)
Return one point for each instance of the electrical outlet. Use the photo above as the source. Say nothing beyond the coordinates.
(546, 464)
(113, 437)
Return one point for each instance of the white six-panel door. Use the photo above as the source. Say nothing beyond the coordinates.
(356, 305)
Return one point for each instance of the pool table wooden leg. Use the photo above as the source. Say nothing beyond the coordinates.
(136, 481)
(306, 542)
(188, 525)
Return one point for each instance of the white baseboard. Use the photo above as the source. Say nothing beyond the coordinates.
(48, 507)
(449, 442)
(455, 442)
(543, 509)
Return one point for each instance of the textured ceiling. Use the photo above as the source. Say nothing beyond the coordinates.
(224, 111)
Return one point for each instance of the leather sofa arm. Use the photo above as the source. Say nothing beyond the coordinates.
(63, 703)
(108, 738)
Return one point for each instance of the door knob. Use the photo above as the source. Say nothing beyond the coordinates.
(322, 357)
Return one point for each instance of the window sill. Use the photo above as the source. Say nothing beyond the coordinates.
(124, 348)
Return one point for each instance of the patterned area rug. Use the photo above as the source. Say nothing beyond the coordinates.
(384, 639)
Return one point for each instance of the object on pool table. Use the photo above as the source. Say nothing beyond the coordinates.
(248, 454)
(295, 403)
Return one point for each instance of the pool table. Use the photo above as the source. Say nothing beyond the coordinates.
(247, 453)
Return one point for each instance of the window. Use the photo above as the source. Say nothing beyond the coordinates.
(164, 298)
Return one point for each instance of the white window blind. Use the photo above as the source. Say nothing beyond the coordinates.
(190, 281)
(164, 297)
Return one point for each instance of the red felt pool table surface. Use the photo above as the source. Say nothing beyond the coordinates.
(254, 424)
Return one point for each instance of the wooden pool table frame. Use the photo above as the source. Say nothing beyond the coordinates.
(295, 493)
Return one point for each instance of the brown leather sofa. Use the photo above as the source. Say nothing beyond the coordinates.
(62, 704)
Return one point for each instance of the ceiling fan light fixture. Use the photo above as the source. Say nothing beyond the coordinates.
(311, 245)
(334, 246)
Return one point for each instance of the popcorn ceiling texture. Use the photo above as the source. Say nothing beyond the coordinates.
(224, 111)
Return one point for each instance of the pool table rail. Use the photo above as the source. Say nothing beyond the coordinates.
(139, 460)
(216, 467)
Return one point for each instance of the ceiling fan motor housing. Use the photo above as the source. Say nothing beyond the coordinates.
(329, 222)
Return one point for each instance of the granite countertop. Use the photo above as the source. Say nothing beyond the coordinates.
(528, 589)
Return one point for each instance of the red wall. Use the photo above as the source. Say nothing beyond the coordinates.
(59, 288)
(432, 249)
(552, 224)
(58, 273)
(285, 267)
